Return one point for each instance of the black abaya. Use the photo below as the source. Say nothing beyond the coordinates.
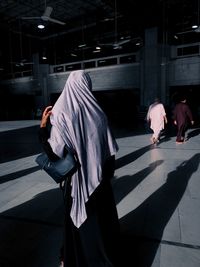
(95, 242)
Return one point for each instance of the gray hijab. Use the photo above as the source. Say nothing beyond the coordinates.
(78, 121)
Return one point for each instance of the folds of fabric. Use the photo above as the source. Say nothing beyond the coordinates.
(78, 121)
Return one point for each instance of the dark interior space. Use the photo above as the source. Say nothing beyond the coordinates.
(120, 106)
(17, 107)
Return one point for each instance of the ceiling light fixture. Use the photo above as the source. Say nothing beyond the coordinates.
(41, 26)
(96, 51)
(194, 26)
(82, 45)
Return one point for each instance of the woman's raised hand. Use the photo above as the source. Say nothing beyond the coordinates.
(45, 115)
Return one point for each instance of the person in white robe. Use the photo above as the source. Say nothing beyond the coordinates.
(157, 118)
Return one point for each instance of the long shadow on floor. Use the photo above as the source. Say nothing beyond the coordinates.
(143, 227)
(131, 156)
(31, 232)
(20, 143)
(124, 185)
(193, 133)
(18, 174)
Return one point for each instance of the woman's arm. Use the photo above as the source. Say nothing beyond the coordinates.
(44, 134)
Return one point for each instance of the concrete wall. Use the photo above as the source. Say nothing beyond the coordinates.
(181, 71)
(184, 71)
(124, 76)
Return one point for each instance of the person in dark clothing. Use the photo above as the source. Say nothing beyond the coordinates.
(91, 227)
(182, 118)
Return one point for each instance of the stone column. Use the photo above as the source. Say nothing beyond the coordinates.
(40, 75)
(154, 67)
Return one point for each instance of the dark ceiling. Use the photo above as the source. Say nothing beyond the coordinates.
(117, 26)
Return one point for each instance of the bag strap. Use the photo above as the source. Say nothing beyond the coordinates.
(45, 162)
(63, 187)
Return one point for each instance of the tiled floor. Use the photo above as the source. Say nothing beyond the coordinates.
(156, 190)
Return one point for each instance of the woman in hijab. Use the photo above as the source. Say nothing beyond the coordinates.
(91, 221)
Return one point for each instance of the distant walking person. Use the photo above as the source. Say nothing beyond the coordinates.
(156, 115)
(182, 118)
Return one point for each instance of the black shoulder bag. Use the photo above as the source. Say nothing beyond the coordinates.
(60, 169)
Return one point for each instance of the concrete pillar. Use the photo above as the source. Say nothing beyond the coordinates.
(40, 74)
(153, 68)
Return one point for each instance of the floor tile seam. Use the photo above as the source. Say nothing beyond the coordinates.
(180, 244)
(181, 149)
(137, 147)
(3, 188)
(167, 242)
(23, 193)
(160, 147)
(179, 224)
(24, 172)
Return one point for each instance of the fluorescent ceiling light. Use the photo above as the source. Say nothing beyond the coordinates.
(41, 26)
(82, 45)
(194, 26)
(107, 19)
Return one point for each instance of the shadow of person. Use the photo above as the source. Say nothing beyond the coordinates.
(171, 129)
(19, 143)
(123, 185)
(18, 174)
(31, 233)
(193, 133)
(142, 229)
(131, 156)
